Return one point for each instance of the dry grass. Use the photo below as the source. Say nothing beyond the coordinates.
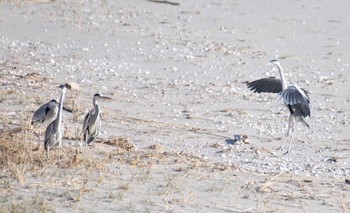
(121, 142)
(34, 205)
(18, 156)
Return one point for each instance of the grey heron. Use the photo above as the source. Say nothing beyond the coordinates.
(92, 120)
(54, 132)
(295, 98)
(45, 114)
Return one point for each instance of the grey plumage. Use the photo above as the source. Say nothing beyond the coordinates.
(268, 85)
(92, 120)
(54, 132)
(46, 113)
(296, 99)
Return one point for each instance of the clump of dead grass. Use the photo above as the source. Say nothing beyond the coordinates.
(34, 205)
(149, 156)
(77, 159)
(120, 142)
(19, 155)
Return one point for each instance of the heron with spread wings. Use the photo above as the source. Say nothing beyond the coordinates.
(295, 98)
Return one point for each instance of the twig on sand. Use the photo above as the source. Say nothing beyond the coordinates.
(164, 2)
(40, 1)
(234, 209)
(267, 183)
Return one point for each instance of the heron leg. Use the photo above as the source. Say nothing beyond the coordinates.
(39, 138)
(304, 122)
(76, 145)
(288, 130)
(93, 151)
(47, 155)
(291, 137)
(85, 143)
(284, 141)
(59, 155)
(86, 139)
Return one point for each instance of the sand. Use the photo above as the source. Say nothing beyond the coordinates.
(177, 75)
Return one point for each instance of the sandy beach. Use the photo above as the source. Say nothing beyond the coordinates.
(170, 136)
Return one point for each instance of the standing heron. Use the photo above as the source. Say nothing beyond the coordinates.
(54, 132)
(45, 114)
(92, 120)
(295, 98)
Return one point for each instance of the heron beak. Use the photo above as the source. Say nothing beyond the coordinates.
(106, 98)
(61, 86)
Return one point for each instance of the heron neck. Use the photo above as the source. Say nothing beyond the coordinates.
(96, 106)
(58, 120)
(283, 78)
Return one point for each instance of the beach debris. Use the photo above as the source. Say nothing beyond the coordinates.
(121, 142)
(155, 147)
(238, 138)
(40, 1)
(263, 150)
(179, 169)
(164, 2)
(241, 138)
(216, 145)
(68, 109)
(264, 189)
(331, 160)
(72, 86)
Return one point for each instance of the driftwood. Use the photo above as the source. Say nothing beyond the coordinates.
(164, 2)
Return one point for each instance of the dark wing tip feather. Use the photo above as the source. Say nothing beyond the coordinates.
(306, 93)
(269, 85)
(293, 97)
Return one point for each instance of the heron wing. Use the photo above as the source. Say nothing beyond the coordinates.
(40, 114)
(269, 85)
(48, 131)
(98, 127)
(92, 124)
(94, 128)
(293, 95)
(306, 94)
(86, 122)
